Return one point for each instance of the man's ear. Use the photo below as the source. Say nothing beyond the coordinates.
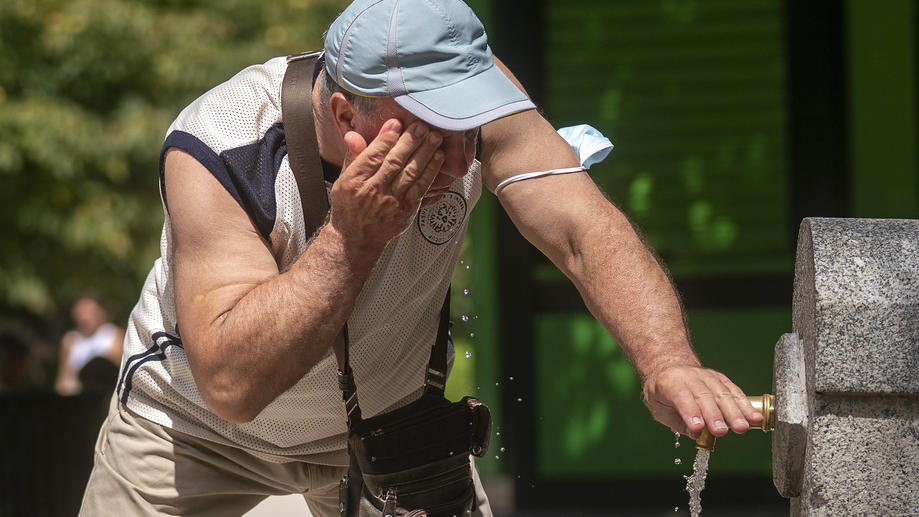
(343, 113)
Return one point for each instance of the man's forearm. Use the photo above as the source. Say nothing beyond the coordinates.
(280, 329)
(628, 291)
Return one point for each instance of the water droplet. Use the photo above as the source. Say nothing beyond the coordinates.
(503, 449)
(497, 433)
(468, 355)
(510, 378)
(518, 476)
(464, 317)
(472, 334)
(497, 457)
(496, 384)
(519, 399)
(451, 453)
(462, 261)
(475, 317)
(373, 458)
(467, 266)
(676, 508)
(478, 387)
(676, 445)
(465, 292)
(677, 461)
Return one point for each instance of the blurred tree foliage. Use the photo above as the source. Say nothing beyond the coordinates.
(87, 90)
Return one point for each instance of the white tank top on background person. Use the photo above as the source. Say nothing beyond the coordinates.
(84, 348)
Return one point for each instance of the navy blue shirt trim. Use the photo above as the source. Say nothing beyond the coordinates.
(157, 352)
(247, 172)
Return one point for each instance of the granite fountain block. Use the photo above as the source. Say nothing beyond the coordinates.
(789, 436)
(847, 380)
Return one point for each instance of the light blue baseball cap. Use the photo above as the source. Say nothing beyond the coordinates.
(431, 56)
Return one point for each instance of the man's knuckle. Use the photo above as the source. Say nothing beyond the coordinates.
(394, 162)
(352, 185)
(703, 395)
(410, 174)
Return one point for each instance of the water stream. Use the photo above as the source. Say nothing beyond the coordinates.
(696, 482)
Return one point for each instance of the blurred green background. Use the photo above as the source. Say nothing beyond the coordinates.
(731, 121)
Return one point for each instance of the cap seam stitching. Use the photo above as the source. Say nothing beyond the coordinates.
(392, 51)
(346, 36)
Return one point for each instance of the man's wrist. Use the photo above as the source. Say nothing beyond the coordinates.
(355, 252)
(682, 362)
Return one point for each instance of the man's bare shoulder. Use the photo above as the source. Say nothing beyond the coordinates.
(214, 240)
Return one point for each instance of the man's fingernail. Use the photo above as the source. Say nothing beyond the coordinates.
(418, 132)
(438, 155)
(739, 422)
(720, 424)
(696, 420)
(395, 126)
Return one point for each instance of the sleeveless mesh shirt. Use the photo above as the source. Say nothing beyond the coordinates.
(235, 131)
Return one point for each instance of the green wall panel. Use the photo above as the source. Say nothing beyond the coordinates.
(882, 108)
(692, 94)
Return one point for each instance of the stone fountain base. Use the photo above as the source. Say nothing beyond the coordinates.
(847, 380)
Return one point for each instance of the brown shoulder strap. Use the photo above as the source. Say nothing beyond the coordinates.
(306, 164)
(300, 132)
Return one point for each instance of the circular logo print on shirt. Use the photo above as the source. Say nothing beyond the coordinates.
(439, 222)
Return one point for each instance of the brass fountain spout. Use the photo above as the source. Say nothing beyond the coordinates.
(764, 404)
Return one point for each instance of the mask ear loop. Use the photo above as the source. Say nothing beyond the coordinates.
(531, 175)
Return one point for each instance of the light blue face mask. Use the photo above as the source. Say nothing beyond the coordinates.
(588, 142)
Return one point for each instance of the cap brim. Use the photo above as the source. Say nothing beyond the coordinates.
(469, 103)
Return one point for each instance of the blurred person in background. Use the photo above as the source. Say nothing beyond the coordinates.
(90, 354)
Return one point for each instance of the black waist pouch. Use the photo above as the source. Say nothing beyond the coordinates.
(416, 458)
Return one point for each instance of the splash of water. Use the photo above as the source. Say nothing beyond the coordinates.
(696, 482)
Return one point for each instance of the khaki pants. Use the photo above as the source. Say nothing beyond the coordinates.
(144, 469)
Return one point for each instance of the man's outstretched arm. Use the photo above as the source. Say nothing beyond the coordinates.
(570, 220)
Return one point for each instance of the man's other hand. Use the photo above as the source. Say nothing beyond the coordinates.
(688, 398)
(382, 183)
